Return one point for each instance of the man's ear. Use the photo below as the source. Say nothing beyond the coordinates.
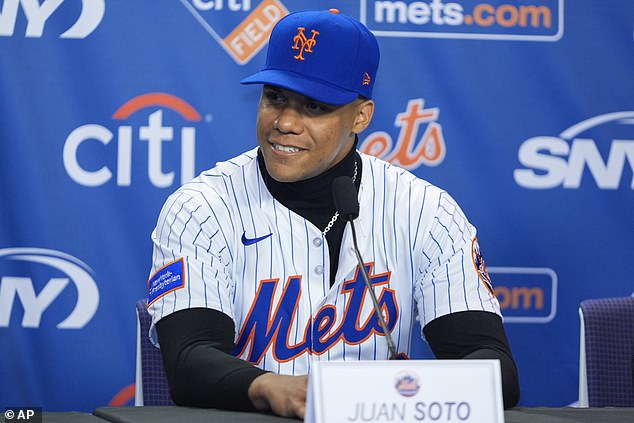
(365, 111)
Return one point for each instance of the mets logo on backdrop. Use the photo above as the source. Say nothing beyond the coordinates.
(240, 29)
(420, 139)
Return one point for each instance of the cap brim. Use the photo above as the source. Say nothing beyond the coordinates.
(317, 90)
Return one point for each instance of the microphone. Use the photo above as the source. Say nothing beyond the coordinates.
(345, 195)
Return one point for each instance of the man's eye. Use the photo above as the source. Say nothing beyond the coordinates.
(317, 108)
(273, 97)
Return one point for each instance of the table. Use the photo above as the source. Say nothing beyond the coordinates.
(67, 417)
(568, 415)
(187, 414)
(183, 414)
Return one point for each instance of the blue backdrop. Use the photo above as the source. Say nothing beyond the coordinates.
(523, 110)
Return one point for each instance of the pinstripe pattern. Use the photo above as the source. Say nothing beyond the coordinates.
(414, 235)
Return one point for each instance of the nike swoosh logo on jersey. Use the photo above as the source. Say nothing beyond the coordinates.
(250, 241)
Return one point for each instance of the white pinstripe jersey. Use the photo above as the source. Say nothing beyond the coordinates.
(420, 250)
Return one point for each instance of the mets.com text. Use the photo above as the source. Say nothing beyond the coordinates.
(485, 15)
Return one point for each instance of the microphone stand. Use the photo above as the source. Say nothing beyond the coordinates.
(377, 307)
(345, 196)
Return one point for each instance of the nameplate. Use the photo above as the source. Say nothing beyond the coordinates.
(405, 391)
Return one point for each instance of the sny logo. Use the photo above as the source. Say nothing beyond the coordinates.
(302, 43)
(35, 305)
(548, 167)
(37, 15)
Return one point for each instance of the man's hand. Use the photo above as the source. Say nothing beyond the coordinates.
(282, 394)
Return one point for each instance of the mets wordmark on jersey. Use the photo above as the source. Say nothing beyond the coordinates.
(223, 242)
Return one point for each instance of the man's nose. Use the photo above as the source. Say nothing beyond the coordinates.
(289, 121)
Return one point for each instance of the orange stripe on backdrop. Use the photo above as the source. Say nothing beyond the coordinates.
(157, 99)
(253, 32)
(123, 396)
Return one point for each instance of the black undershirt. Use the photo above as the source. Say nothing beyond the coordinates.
(312, 199)
(196, 343)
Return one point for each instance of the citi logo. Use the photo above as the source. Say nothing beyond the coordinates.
(37, 15)
(552, 162)
(411, 149)
(154, 133)
(231, 5)
(22, 288)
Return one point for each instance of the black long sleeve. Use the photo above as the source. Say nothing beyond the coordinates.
(196, 346)
(475, 335)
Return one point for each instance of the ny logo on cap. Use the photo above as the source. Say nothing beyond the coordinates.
(302, 43)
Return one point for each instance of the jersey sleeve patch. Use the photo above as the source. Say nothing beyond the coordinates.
(167, 279)
(480, 265)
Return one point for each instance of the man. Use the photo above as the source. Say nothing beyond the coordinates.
(253, 274)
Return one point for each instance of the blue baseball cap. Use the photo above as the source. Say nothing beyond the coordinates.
(323, 55)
